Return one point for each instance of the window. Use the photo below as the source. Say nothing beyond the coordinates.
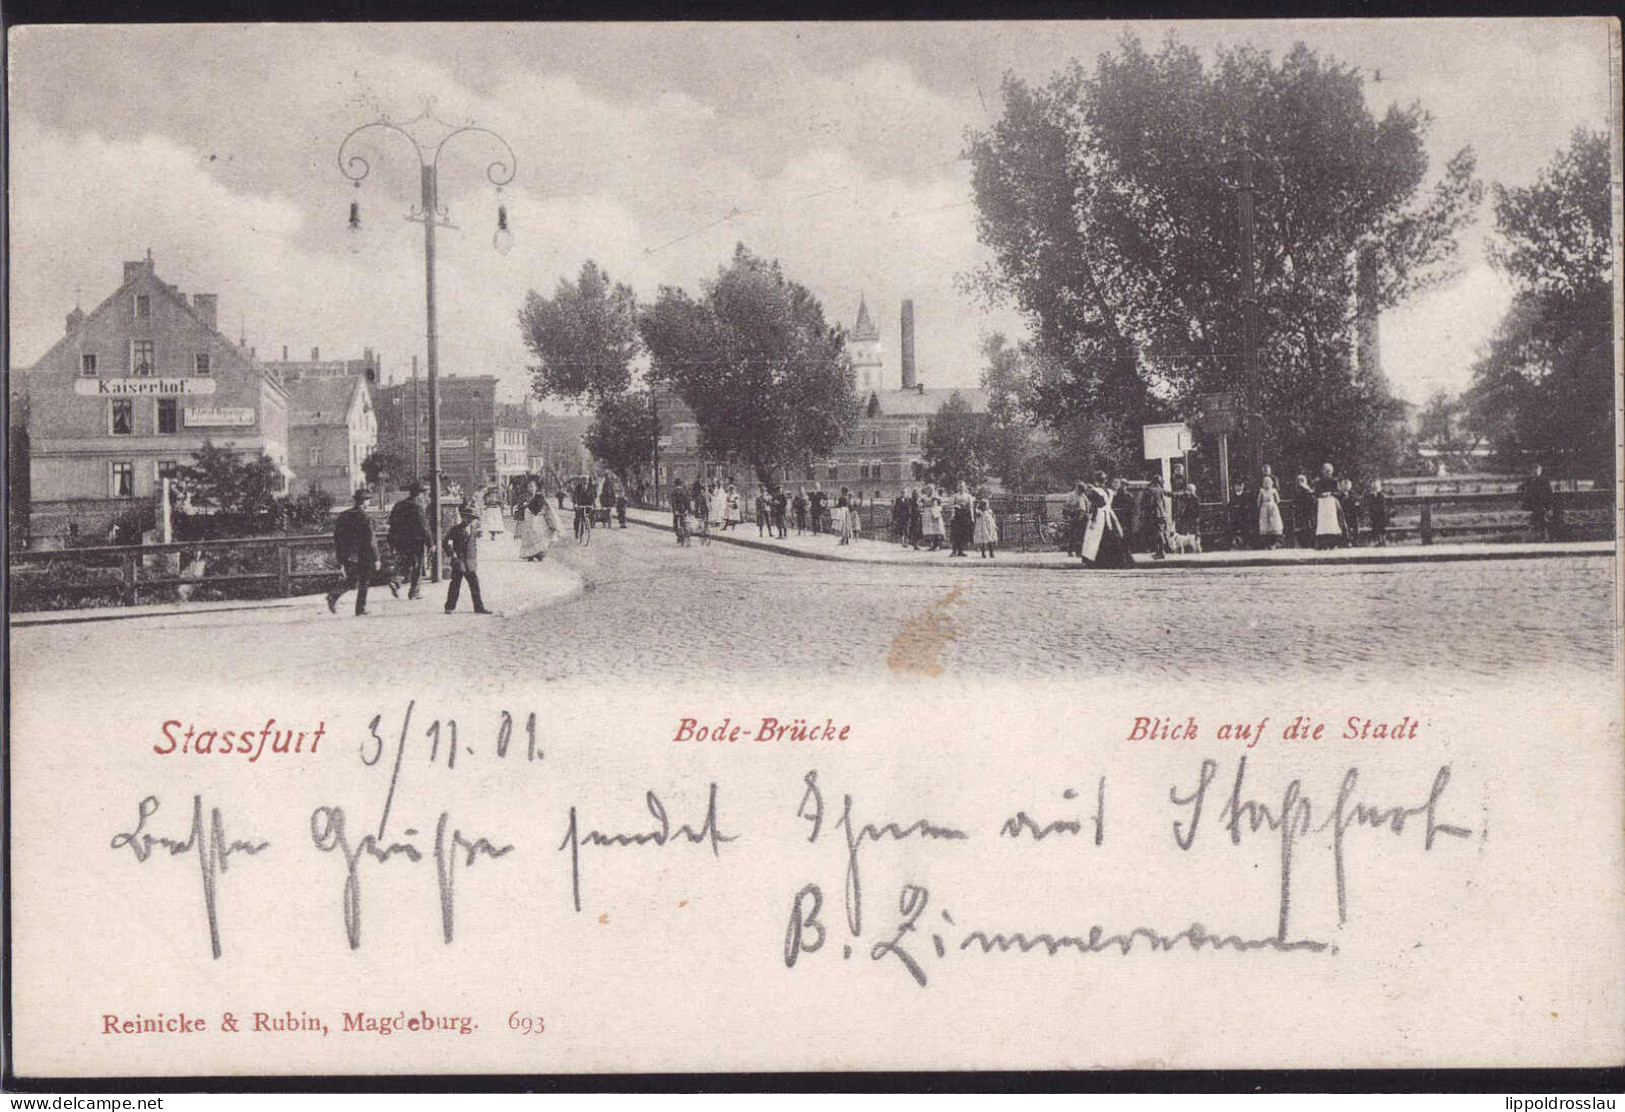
(121, 480)
(87, 364)
(143, 307)
(200, 363)
(165, 469)
(315, 457)
(834, 472)
(913, 436)
(141, 357)
(166, 420)
(919, 470)
(121, 417)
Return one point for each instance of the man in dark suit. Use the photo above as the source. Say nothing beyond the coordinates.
(357, 552)
(408, 537)
(463, 546)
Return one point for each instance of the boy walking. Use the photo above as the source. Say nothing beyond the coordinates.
(463, 546)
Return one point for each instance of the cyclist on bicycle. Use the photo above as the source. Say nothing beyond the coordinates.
(581, 499)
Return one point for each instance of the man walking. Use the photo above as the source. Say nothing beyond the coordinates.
(357, 552)
(408, 538)
(463, 546)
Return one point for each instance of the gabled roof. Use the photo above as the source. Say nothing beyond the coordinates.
(925, 403)
(323, 401)
(864, 329)
(147, 279)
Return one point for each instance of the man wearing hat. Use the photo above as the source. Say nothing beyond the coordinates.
(357, 552)
(409, 537)
(463, 546)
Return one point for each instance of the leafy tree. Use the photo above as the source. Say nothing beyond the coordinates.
(957, 444)
(1109, 201)
(623, 434)
(1545, 385)
(220, 479)
(1015, 450)
(768, 380)
(584, 338)
(381, 464)
(311, 508)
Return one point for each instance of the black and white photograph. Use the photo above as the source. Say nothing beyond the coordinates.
(522, 509)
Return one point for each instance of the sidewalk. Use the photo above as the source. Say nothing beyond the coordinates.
(509, 584)
(864, 551)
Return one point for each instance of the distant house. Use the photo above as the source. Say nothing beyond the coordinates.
(883, 456)
(331, 429)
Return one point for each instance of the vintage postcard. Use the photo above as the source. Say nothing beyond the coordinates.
(602, 549)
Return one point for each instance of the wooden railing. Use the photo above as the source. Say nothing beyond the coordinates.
(251, 567)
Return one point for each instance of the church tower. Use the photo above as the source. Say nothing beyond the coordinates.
(868, 366)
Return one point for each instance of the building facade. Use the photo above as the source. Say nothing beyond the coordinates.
(883, 456)
(332, 428)
(480, 442)
(133, 389)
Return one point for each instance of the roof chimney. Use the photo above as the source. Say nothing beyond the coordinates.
(907, 347)
(134, 270)
(316, 355)
(284, 353)
(207, 307)
(75, 319)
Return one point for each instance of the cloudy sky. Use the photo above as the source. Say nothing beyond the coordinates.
(652, 149)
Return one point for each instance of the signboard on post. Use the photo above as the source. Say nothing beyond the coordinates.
(1166, 441)
(1218, 414)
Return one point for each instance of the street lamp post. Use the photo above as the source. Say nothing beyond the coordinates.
(431, 215)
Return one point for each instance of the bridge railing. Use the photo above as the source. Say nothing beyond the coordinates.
(129, 575)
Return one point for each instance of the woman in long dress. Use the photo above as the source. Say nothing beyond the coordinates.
(963, 526)
(1105, 542)
(1303, 512)
(1270, 527)
(539, 529)
(735, 513)
(491, 520)
(714, 500)
(843, 518)
(1330, 530)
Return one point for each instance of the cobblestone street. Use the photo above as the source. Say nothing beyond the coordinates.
(651, 609)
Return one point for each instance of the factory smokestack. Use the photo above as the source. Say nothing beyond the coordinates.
(907, 347)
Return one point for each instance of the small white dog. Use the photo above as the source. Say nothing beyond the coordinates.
(1186, 542)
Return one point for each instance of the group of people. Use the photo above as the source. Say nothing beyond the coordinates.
(356, 545)
(926, 517)
(932, 515)
(1327, 513)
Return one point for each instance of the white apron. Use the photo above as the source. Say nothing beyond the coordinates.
(1095, 531)
(1326, 518)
